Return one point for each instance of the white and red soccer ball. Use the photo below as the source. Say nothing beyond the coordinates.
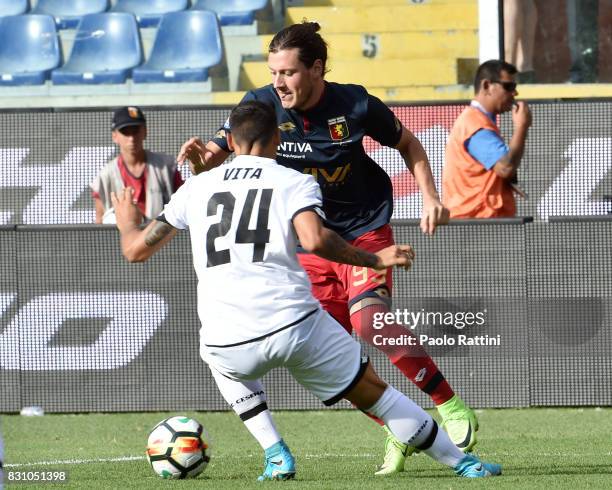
(178, 448)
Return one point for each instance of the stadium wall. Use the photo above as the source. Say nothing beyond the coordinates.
(49, 157)
(82, 330)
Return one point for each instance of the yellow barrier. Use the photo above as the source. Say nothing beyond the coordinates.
(373, 73)
(370, 3)
(398, 45)
(395, 18)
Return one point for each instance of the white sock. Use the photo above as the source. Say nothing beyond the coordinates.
(408, 422)
(263, 429)
(248, 400)
(443, 450)
(415, 427)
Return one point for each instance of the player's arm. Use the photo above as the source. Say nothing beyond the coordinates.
(137, 244)
(382, 125)
(326, 243)
(201, 157)
(413, 153)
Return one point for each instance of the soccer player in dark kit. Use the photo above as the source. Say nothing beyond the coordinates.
(322, 127)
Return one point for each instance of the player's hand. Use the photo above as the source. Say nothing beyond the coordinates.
(434, 215)
(193, 151)
(395, 255)
(127, 213)
(521, 115)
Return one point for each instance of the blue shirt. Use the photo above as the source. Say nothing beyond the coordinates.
(486, 146)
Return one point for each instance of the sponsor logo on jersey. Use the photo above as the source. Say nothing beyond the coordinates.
(286, 126)
(293, 149)
(338, 128)
(324, 176)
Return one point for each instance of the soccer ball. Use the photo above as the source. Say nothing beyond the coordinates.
(177, 448)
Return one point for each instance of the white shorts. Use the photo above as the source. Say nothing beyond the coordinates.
(317, 351)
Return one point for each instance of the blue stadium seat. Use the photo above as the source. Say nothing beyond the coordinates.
(13, 7)
(68, 13)
(29, 49)
(149, 12)
(106, 47)
(232, 12)
(186, 46)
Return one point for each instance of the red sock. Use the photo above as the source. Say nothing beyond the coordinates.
(412, 360)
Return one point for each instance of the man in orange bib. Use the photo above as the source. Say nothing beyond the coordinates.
(479, 171)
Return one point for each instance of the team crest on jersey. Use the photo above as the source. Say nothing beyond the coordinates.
(286, 126)
(338, 128)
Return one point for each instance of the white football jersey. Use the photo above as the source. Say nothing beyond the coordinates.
(239, 216)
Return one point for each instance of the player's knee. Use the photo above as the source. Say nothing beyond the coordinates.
(366, 314)
(379, 299)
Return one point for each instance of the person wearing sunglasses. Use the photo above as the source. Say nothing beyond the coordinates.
(479, 174)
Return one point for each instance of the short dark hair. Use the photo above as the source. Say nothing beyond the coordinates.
(253, 122)
(306, 38)
(491, 70)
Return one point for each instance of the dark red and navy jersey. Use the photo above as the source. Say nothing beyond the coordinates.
(326, 141)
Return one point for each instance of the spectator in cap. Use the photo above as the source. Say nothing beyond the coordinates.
(153, 176)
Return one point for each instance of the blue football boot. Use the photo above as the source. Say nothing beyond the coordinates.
(471, 467)
(279, 463)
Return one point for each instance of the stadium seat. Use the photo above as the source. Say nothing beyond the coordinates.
(68, 13)
(106, 47)
(232, 12)
(186, 46)
(149, 12)
(29, 49)
(13, 7)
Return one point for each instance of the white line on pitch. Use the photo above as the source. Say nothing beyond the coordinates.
(306, 456)
(75, 461)
(120, 459)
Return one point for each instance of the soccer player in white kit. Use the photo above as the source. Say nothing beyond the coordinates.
(254, 299)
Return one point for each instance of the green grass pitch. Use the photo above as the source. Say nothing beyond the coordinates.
(538, 448)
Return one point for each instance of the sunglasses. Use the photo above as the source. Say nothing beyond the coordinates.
(508, 86)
